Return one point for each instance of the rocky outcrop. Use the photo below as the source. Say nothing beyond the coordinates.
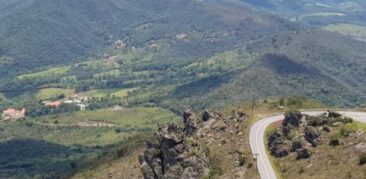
(181, 152)
(174, 151)
(298, 131)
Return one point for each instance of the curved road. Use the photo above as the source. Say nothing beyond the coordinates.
(257, 144)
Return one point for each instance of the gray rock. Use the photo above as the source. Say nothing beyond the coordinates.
(207, 115)
(297, 144)
(280, 152)
(219, 126)
(190, 121)
(178, 153)
(293, 118)
(311, 135)
(189, 173)
(334, 114)
(303, 153)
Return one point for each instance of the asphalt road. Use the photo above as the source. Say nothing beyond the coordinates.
(257, 144)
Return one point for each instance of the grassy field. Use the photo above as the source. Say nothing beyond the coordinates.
(353, 30)
(124, 123)
(53, 72)
(125, 167)
(98, 93)
(49, 93)
(40, 94)
(138, 117)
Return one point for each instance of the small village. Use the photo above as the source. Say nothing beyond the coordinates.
(77, 100)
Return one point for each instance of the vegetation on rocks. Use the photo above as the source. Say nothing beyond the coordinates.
(318, 146)
(298, 132)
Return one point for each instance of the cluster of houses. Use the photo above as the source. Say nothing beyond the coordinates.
(79, 101)
(11, 113)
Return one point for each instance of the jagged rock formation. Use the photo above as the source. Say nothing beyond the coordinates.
(298, 133)
(183, 152)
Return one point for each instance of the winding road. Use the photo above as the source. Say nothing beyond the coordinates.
(257, 143)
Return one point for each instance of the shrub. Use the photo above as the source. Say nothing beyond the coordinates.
(241, 159)
(118, 130)
(215, 168)
(348, 130)
(250, 165)
(334, 141)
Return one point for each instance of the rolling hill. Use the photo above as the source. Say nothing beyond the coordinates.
(176, 54)
(89, 45)
(41, 33)
(312, 63)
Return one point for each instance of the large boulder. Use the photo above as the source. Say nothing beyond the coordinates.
(278, 146)
(293, 118)
(311, 135)
(303, 153)
(275, 139)
(190, 121)
(333, 114)
(280, 151)
(298, 144)
(209, 115)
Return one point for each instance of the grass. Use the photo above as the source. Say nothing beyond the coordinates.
(39, 94)
(137, 117)
(49, 93)
(112, 73)
(52, 72)
(353, 30)
(99, 93)
(356, 126)
(121, 162)
(129, 121)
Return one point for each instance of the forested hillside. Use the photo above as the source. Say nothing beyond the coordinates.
(313, 63)
(172, 54)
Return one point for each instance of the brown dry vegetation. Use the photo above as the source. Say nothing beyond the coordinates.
(125, 167)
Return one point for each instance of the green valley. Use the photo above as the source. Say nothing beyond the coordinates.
(55, 145)
(85, 84)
